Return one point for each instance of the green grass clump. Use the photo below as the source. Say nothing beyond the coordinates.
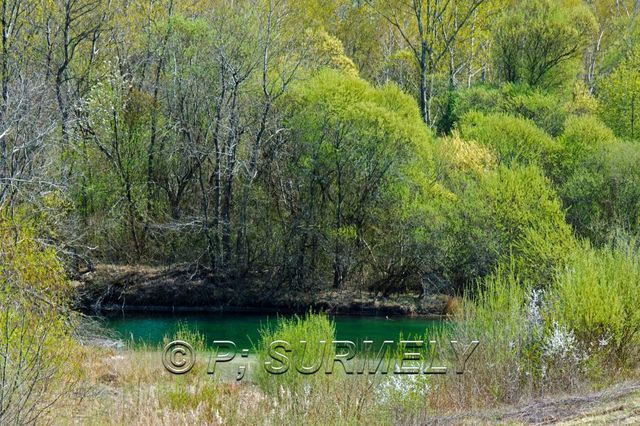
(187, 334)
(312, 329)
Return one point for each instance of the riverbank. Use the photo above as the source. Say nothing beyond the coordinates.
(143, 288)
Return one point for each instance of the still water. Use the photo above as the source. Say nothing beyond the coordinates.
(244, 329)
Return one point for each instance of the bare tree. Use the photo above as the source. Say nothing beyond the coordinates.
(69, 26)
(429, 28)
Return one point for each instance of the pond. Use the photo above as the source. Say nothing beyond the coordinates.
(244, 329)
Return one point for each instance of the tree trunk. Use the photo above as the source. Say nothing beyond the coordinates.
(424, 89)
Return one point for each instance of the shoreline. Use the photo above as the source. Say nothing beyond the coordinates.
(237, 310)
(136, 288)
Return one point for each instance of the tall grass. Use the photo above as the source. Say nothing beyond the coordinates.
(598, 297)
(502, 314)
(312, 329)
(188, 334)
(582, 327)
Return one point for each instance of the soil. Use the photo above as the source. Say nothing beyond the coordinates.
(145, 288)
(619, 404)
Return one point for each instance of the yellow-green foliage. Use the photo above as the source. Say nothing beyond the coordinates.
(515, 140)
(497, 308)
(530, 222)
(29, 267)
(598, 296)
(582, 101)
(585, 135)
(466, 156)
(506, 215)
(329, 51)
(312, 328)
(543, 108)
(584, 138)
(619, 94)
(179, 397)
(36, 347)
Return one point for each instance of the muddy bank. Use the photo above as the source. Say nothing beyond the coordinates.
(143, 288)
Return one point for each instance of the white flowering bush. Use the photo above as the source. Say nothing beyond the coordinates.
(564, 361)
(531, 352)
(409, 391)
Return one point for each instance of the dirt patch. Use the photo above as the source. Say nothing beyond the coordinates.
(615, 405)
(144, 288)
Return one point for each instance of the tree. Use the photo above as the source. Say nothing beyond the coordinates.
(355, 158)
(71, 26)
(617, 31)
(619, 96)
(25, 122)
(534, 40)
(429, 28)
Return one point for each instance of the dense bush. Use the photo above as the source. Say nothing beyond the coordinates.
(602, 195)
(515, 140)
(597, 298)
(507, 215)
(37, 356)
(619, 95)
(545, 109)
(530, 222)
(583, 138)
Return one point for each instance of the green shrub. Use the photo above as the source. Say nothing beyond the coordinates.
(530, 353)
(598, 297)
(544, 109)
(582, 101)
(496, 217)
(515, 140)
(39, 358)
(602, 195)
(584, 135)
(530, 221)
(497, 307)
(583, 138)
(497, 315)
(485, 99)
(618, 95)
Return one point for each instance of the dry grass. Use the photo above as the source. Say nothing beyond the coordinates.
(132, 387)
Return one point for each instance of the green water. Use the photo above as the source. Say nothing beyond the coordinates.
(243, 329)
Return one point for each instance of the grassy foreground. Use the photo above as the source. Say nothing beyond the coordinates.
(132, 387)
